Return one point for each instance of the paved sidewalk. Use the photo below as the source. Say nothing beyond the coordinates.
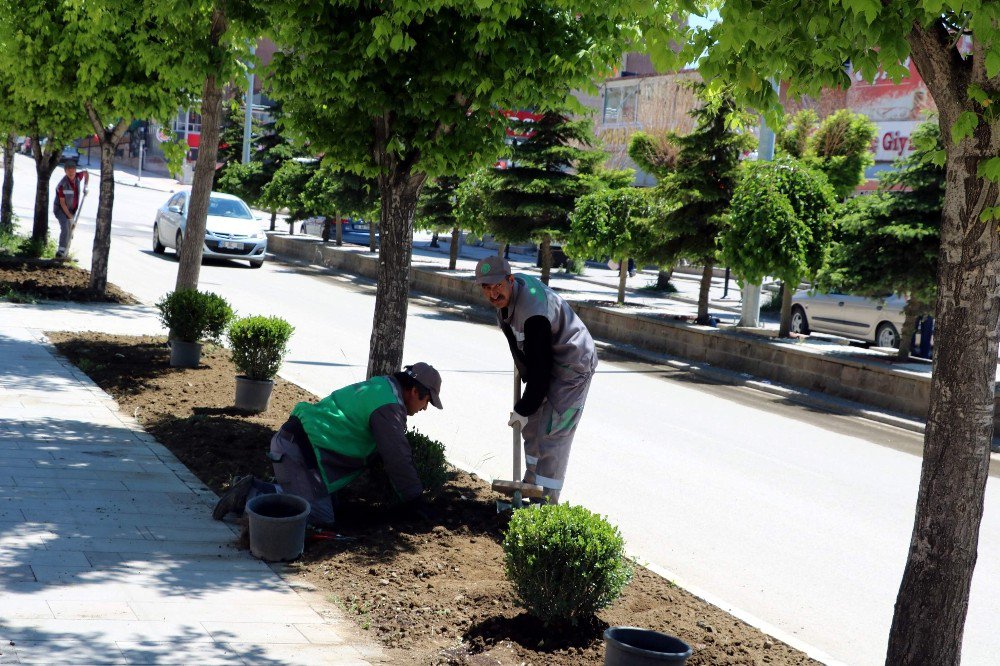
(108, 553)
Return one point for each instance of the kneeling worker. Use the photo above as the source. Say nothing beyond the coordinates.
(324, 446)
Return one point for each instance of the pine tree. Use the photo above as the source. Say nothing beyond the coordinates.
(887, 242)
(531, 199)
(436, 212)
(694, 195)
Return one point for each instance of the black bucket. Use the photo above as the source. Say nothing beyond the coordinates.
(277, 526)
(632, 646)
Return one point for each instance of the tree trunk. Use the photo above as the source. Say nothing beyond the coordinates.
(456, 238)
(274, 219)
(340, 233)
(933, 599)
(326, 230)
(291, 227)
(102, 231)
(706, 284)
(911, 313)
(189, 269)
(45, 163)
(785, 327)
(622, 276)
(399, 193)
(371, 236)
(106, 200)
(663, 279)
(546, 251)
(6, 201)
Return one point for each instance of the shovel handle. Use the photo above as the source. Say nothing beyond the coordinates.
(517, 429)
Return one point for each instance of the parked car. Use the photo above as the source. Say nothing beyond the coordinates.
(231, 230)
(875, 320)
(356, 231)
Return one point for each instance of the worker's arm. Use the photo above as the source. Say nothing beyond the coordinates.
(519, 360)
(538, 364)
(388, 424)
(85, 176)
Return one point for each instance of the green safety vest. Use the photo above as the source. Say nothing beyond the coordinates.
(339, 423)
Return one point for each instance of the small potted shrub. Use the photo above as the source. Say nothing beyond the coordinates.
(192, 316)
(258, 345)
(565, 563)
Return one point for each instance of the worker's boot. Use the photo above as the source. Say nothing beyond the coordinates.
(235, 499)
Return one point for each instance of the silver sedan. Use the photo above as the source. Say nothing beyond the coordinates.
(875, 320)
(231, 230)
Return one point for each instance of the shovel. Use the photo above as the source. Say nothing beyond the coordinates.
(516, 489)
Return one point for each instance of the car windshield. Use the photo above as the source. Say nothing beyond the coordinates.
(228, 208)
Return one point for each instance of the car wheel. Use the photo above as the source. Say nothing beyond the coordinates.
(158, 247)
(886, 335)
(256, 264)
(799, 323)
(179, 241)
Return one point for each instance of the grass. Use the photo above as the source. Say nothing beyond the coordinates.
(652, 288)
(13, 245)
(11, 295)
(773, 302)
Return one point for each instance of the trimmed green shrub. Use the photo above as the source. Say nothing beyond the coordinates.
(429, 460)
(565, 562)
(192, 315)
(258, 344)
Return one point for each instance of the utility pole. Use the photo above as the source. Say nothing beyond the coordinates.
(248, 103)
(750, 308)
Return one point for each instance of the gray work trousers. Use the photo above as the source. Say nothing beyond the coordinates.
(65, 231)
(295, 478)
(548, 436)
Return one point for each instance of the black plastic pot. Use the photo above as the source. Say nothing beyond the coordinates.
(277, 526)
(184, 354)
(632, 646)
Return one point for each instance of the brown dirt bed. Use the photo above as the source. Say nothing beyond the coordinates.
(431, 593)
(45, 279)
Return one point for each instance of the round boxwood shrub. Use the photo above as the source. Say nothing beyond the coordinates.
(429, 460)
(193, 315)
(565, 562)
(258, 344)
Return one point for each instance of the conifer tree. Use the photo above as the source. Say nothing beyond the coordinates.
(887, 242)
(436, 211)
(694, 195)
(531, 199)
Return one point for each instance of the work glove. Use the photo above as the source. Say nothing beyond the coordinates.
(517, 420)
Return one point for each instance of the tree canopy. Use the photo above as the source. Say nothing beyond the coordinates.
(612, 223)
(404, 90)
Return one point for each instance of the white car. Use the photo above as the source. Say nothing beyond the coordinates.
(231, 230)
(875, 320)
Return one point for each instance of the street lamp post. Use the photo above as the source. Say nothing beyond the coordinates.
(750, 308)
(248, 114)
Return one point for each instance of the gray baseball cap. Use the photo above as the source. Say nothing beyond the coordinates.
(429, 377)
(492, 270)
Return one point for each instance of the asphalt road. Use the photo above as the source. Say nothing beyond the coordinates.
(796, 517)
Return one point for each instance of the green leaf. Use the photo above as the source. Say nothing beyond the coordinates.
(993, 62)
(979, 95)
(964, 126)
(990, 169)
(938, 157)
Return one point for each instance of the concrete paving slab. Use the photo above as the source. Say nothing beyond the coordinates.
(67, 651)
(202, 654)
(92, 610)
(108, 553)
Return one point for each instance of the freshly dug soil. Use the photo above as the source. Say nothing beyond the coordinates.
(431, 592)
(46, 279)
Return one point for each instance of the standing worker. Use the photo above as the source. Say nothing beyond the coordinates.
(324, 446)
(66, 203)
(555, 356)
